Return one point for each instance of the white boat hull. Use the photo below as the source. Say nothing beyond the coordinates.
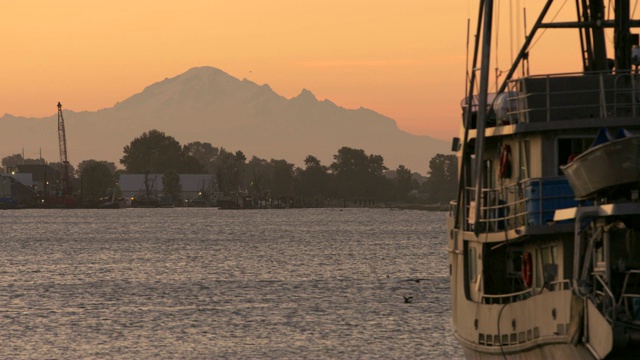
(547, 352)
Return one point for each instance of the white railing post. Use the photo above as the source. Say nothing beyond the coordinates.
(603, 101)
(548, 99)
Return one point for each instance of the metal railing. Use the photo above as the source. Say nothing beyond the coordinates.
(564, 284)
(605, 300)
(530, 202)
(573, 95)
(525, 294)
(631, 311)
(507, 298)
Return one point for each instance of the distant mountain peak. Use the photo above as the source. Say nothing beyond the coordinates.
(206, 74)
(207, 104)
(305, 95)
(203, 70)
(267, 87)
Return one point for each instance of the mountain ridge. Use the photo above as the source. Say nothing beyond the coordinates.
(207, 104)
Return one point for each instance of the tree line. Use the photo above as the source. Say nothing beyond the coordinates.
(353, 175)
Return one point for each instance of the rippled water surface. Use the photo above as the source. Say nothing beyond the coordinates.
(206, 283)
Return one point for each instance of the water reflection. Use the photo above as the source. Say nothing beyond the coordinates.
(204, 283)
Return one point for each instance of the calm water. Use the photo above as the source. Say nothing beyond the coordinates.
(205, 283)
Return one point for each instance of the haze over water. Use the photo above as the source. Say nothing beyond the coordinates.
(205, 283)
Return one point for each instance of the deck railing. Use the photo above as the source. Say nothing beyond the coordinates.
(568, 96)
(525, 294)
(507, 298)
(531, 202)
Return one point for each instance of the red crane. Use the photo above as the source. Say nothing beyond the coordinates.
(64, 166)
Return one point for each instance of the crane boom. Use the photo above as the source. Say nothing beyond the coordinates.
(64, 167)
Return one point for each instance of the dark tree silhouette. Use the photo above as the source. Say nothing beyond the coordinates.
(282, 180)
(314, 180)
(17, 159)
(158, 153)
(229, 169)
(205, 153)
(110, 165)
(441, 184)
(257, 178)
(358, 175)
(97, 179)
(171, 185)
(403, 183)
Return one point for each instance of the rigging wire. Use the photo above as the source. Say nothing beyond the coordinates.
(518, 19)
(466, 83)
(525, 61)
(545, 29)
(524, 25)
(511, 31)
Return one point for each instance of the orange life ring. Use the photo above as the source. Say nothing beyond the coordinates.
(526, 270)
(505, 162)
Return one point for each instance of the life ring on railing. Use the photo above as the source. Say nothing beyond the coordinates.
(505, 162)
(526, 270)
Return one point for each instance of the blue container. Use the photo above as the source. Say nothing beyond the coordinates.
(544, 197)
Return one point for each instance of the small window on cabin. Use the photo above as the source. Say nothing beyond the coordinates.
(548, 272)
(569, 148)
(473, 265)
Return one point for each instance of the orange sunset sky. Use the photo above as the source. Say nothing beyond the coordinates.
(402, 58)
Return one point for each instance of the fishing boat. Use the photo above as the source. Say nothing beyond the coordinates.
(147, 198)
(544, 235)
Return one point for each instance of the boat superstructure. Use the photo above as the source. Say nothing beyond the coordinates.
(544, 237)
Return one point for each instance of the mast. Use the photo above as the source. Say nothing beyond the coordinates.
(622, 36)
(592, 24)
(464, 175)
(482, 108)
(595, 53)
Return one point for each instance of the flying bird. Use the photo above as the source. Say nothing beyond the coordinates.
(416, 280)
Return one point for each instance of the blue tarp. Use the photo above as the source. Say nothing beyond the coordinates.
(623, 133)
(605, 136)
(602, 137)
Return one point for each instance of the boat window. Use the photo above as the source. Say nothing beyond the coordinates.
(569, 148)
(473, 265)
(514, 263)
(547, 272)
(470, 270)
(501, 268)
